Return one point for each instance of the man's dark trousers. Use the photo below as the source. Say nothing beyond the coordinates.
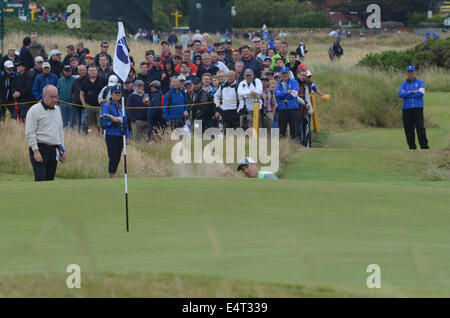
(46, 170)
(413, 118)
(291, 117)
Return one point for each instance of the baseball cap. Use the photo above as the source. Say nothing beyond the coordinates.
(411, 68)
(46, 65)
(9, 64)
(222, 41)
(11, 47)
(182, 78)
(20, 63)
(229, 42)
(55, 52)
(113, 80)
(116, 89)
(249, 71)
(67, 68)
(216, 43)
(267, 58)
(339, 38)
(157, 58)
(178, 46)
(220, 51)
(191, 44)
(277, 75)
(39, 59)
(244, 162)
(302, 66)
(156, 84)
(187, 83)
(89, 56)
(428, 33)
(285, 70)
(139, 82)
(264, 78)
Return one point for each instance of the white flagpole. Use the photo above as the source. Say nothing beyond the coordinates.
(125, 161)
(122, 68)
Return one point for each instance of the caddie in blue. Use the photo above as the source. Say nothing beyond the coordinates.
(412, 92)
(115, 124)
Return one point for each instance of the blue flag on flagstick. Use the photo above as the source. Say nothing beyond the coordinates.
(122, 63)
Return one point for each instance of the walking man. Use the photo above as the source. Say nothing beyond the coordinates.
(45, 135)
(412, 92)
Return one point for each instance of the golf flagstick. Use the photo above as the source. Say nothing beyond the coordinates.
(125, 159)
(121, 67)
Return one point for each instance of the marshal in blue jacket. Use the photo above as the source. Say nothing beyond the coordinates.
(111, 128)
(411, 99)
(285, 100)
(173, 98)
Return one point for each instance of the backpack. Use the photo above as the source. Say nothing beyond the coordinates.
(105, 92)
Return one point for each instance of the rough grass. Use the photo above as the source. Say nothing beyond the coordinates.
(159, 285)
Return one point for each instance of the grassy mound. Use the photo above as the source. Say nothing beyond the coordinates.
(434, 53)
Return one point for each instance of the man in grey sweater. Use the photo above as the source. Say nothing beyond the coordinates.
(45, 135)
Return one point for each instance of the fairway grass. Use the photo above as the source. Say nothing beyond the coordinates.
(312, 234)
(359, 200)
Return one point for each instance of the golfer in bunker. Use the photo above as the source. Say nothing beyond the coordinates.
(248, 167)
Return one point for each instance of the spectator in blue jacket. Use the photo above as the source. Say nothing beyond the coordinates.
(286, 95)
(155, 73)
(44, 79)
(427, 36)
(138, 103)
(154, 111)
(175, 104)
(115, 123)
(412, 92)
(64, 87)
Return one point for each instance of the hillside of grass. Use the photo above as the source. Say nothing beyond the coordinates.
(90, 29)
(434, 53)
(314, 234)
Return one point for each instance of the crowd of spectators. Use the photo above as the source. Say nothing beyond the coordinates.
(195, 79)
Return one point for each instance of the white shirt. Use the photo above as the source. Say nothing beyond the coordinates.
(244, 92)
(228, 95)
(222, 67)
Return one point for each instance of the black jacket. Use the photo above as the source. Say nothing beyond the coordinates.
(337, 49)
(56, 67)
(202, 110)
(76, 88)
(7, 87)
(24, 85)
(26, 57)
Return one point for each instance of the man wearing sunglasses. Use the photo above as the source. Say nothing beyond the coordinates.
(103, 50)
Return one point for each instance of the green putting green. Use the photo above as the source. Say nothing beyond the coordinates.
(297, 232)
(338, 210)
